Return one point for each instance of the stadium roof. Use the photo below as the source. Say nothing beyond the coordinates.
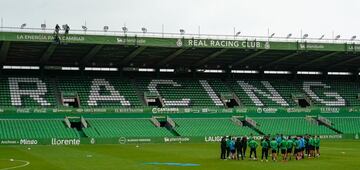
(120, 49)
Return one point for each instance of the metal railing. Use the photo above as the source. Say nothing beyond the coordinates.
(179, 35)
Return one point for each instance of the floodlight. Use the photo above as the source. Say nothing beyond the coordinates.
(337, 37)
(289, 35)
(144, 30)
(353, 38)
(84, 28)
(106, 28)
(305, 36)
(182, 31)
(43, 26)
(23, 26)
(124, 29)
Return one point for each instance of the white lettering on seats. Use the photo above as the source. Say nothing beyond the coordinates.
(209, 90)
(36, 94)
(152, 88)
(307, 88)
(274, 95)
(95, 94)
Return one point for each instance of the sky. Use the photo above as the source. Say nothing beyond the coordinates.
(251, 17)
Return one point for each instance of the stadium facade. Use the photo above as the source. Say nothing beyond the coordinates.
(134, 88)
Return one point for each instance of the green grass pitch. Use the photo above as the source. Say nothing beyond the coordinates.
(337, 154)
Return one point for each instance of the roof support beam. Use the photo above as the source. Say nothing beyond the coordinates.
(318, 59)
(133, 54)
(91, 54)
(282, 59)
(4, 51)
(172, 56)
(345, 62)
(249, 57)
(48, 53)
(213, 55)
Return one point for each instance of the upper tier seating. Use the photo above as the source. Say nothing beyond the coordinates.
(114, 92)
(111, 92)
(179, 92)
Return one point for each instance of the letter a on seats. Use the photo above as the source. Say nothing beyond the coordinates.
(95, 94)
(36, 94)
(274, 95)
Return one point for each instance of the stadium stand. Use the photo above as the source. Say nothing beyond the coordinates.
(26, 92)
(347, 125)
(179, 92)
(112, 92)
(108, 128)
(35, 129)
(209, 127)
(45, 80)
(290, 126)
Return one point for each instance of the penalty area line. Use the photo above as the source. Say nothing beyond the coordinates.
(26, 163)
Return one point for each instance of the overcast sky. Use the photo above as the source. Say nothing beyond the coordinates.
(251, 17)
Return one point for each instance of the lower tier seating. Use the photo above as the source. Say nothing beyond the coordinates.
(109, 128)
(291, 126)
(35, 129)
(210, 127)
(346, 125)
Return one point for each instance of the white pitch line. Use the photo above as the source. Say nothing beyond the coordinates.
(15, 167)
(333, 148)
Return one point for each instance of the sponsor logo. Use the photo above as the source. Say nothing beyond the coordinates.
(225, 111)
(122, 140)
(92, 141)
(122, 40)
(267, 45)
(259, 110)
(330, 136)
(312, 46)
(298, 110)
(266, 110)
(213, 138)
(28, 142)
(23, 110)
(204, 110)
(40, 37)
(9, 142)
(179, 139)
(55, 141)
(79, 110)
(128, 110)
(96, 110)
(356, 48)
(40, 110)
(138, 140)
(165, 110)
(329, 110)
(62, 110)
(179, 43)
(241, 110)
(225, 43)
